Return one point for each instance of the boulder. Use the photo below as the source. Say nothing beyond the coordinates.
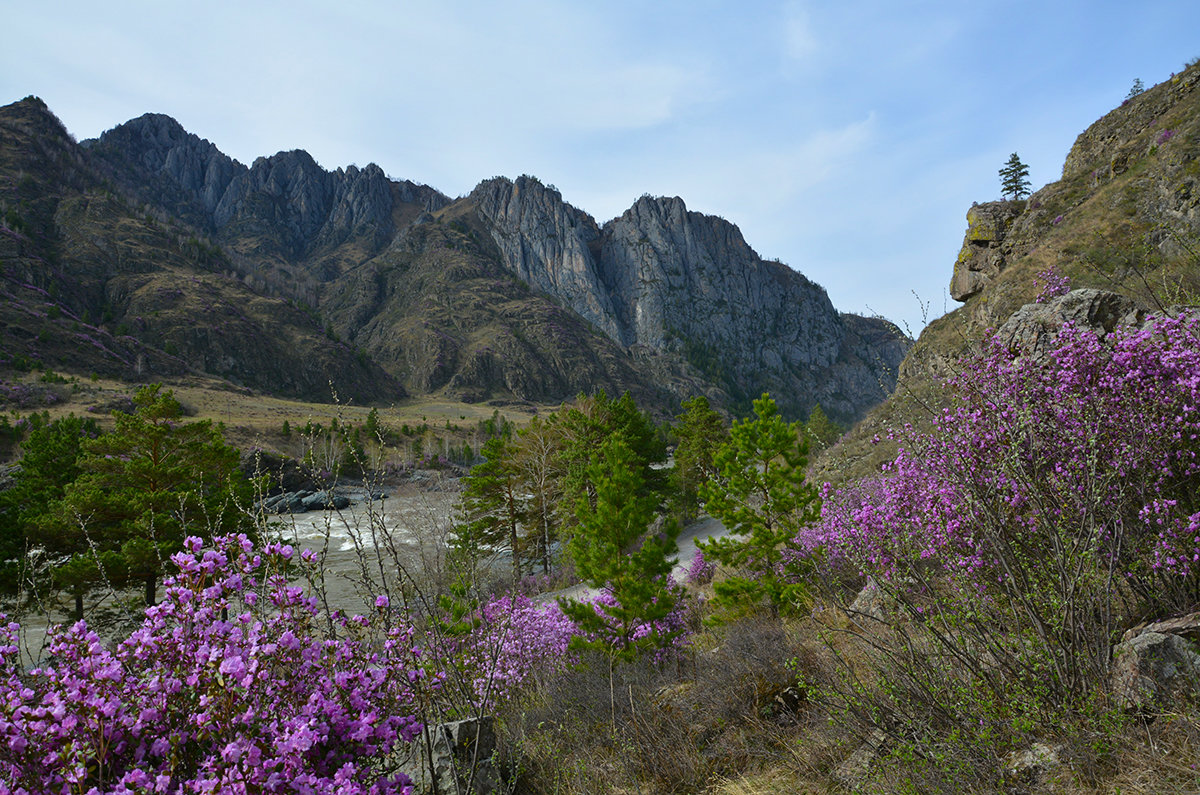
(325, 499)
(281, 471)
(1031, 766)
(853, 771)
(1032, 328)
(869, 602)
(463, 759)
(1154, 669)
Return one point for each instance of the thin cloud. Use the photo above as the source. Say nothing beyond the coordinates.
(800, 42)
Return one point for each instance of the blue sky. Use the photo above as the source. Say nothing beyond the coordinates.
(846, 138)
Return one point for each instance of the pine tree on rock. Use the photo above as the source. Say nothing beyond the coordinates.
(1014, 178)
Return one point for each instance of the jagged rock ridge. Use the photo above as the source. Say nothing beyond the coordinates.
(676, 281)
(661, 300)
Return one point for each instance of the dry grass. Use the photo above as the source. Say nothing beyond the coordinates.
(254, 419)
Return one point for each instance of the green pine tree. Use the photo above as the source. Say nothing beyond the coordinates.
(700, 432)
(491, 506)
(820, 430)
(150, 482)
(49, 464)
(1014, 180)
(761, 496)
(613, 549)
(584, 427)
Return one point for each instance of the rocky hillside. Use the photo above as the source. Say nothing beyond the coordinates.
(1124, 220)
(184, 260)
(92, 283)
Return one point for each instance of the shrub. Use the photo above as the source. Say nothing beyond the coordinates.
(226, 686)
(1053, 505)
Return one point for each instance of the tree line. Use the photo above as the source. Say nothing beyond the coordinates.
(587, 486)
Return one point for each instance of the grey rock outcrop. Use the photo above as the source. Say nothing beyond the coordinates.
(287, 195)
(871, 602)
(1153, 669)
(1033, 327)
(982, 255)
(670, 280)
(462, 759)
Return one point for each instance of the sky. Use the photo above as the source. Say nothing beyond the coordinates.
(847, 138)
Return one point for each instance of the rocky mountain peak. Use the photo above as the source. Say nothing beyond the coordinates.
(548, 244)
(33, 116)
(154, 157)
(663, 278)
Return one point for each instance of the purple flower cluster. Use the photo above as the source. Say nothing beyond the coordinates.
(700, 571)
(1164, 136)
(27, 395)
(1094, 447)
(226, 687)
(1051, 284)
(515, 640)
(230, 685)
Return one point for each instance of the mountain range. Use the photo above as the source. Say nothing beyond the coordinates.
(148, 253)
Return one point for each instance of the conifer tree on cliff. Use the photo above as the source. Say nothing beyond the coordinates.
(1014, 180)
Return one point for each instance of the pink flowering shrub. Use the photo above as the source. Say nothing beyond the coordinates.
(228, 686)
(514, 642)
(1054, 491)
(662, 638)
(700, 570)
(1051, 284)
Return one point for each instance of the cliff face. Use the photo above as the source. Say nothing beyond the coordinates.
(548, 244)
(683, 283)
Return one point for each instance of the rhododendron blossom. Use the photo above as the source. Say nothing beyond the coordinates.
(1094, 445)
(209, 695)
